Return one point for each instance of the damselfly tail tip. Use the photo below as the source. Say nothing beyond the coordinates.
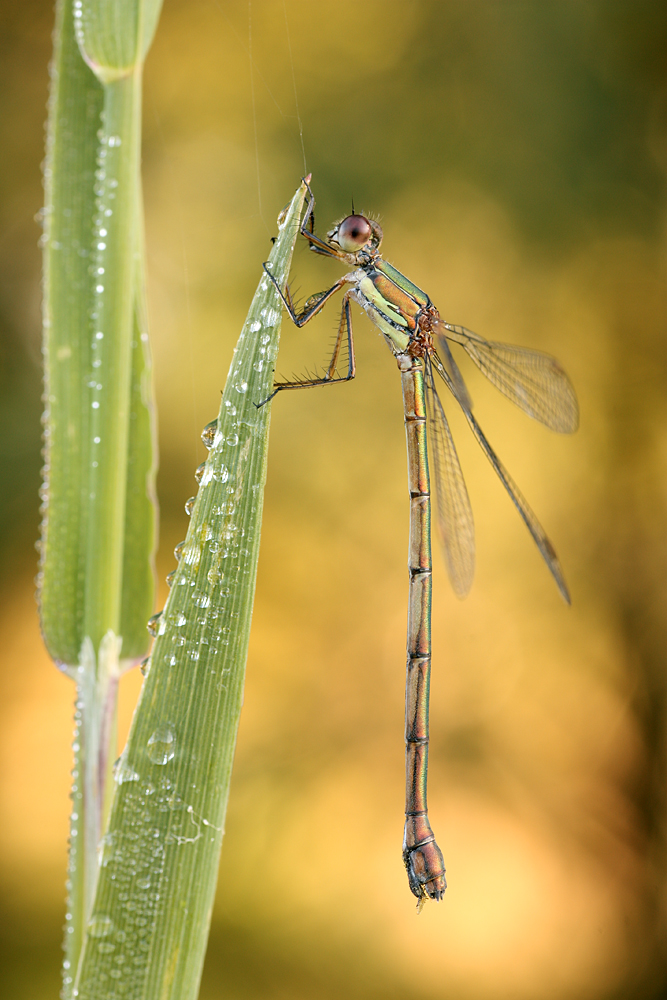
(426, 871)
(307, 178)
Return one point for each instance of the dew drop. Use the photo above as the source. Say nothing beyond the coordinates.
(190, 505)
(161, 746)
(153, 625)
(241, 386)
(282, 218)
(123, 773)
(199, 472)
(232, 440)
(145, 666)
(170, 577)
(100, 925)
(209, 432)
(178, 550)
(192, 554)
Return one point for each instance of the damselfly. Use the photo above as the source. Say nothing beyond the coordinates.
(419, 340)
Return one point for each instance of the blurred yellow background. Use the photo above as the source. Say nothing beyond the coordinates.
(515, 153)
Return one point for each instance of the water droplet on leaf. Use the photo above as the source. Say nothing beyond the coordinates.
(153, 625)
(208, 434)
(161, 746)
(100, 925)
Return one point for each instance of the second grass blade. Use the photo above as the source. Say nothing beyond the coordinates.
(149, 926)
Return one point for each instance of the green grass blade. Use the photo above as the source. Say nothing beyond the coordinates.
(148, 930)
(98, 530)
(96, 585)
(74, 115)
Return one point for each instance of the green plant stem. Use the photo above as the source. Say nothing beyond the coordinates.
(98, 534)
(115, 244)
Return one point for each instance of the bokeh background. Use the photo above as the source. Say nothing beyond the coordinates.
(515, 152)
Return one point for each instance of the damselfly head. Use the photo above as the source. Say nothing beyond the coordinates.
(354, 233)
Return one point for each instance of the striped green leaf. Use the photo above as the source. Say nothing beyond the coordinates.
(96, 582)
(149, 924)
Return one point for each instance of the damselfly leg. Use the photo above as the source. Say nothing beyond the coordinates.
(312, 307)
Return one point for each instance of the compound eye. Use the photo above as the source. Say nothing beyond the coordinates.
(353, 233)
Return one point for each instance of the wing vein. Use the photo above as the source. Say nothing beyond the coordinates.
(534, 381)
